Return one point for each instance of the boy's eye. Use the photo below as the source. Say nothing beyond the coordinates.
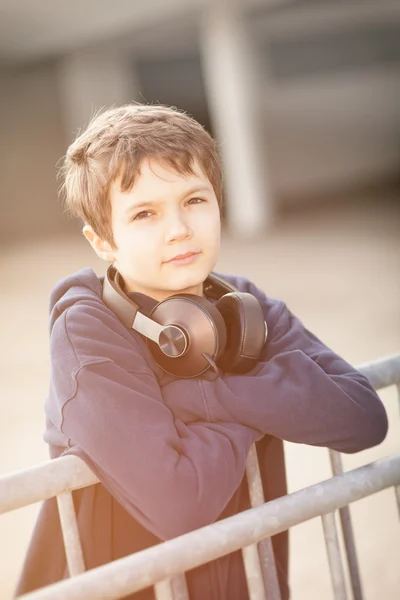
(196, 200)
(145, 214)
(142, 215)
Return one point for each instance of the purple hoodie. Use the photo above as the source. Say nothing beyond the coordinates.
(170, 453)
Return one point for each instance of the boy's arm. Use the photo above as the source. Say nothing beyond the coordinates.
(171, 476)
(303, 392)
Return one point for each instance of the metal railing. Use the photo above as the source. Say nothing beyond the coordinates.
(164, 565)
(381, 373)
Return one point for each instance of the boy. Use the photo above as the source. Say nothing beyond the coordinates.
(170, 451)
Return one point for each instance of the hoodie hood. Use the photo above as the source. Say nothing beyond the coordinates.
(78, 287)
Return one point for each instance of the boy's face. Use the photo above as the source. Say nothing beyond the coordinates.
(164, 215)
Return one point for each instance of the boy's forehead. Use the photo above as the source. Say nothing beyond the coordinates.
(154, 175)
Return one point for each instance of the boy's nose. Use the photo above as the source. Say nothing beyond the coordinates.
(178, 228)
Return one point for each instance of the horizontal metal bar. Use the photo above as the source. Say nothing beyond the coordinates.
(43, 481)
(141, 570)
(382, 372)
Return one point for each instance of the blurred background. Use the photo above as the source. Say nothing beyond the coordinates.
(303, 97)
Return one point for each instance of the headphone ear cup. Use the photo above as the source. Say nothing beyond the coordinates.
(203, 326)
(245, 327)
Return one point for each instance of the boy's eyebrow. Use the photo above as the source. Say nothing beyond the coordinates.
(194, 190)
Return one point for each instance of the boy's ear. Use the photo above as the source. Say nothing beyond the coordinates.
(101, 247)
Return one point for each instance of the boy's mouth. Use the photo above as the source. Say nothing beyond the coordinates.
(185, 258)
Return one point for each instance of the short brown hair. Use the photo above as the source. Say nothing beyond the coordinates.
(115, 143)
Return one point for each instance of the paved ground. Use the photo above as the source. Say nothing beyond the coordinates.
(337, 268)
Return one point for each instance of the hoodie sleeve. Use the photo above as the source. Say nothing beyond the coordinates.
(171, 476)
(302, 391)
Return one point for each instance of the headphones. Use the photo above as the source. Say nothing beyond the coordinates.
(187, 334)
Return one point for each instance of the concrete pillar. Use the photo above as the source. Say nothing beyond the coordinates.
(90, 80)
(231, 81)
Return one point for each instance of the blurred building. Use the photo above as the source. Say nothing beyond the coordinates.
(303, 96)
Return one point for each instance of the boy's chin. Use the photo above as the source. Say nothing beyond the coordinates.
(183, 281)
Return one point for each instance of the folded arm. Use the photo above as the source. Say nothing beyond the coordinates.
(302, 391)
(171, 476)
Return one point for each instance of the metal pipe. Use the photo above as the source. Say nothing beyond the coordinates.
(254, 576)
(265, 555)
(179, 587)
(397, 494)
(70, 532)
(163, 590)
(43, 481)
(382, 372)
(138, 571)
(334, 557)
(348, 533)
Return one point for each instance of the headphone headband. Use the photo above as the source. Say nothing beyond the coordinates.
(187, 334)
(126, 309)
(115, 298)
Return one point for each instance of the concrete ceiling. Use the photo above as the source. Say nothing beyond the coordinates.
(32, 30)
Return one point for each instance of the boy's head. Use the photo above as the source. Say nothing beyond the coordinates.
(146, 181)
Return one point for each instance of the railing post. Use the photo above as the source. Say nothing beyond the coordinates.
(70, 532)
(265, 555)
(348, 535)
(174, 588)
(163, 590)
(179, 587)
(398, 395)
(254, 576)
(334, 557)
(397, 494)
